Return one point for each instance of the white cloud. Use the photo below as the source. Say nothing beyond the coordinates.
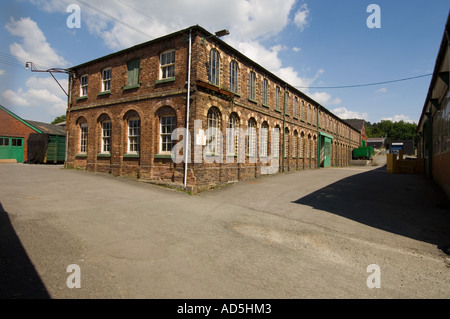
(382, 90)
(34, 46)
(295, 49)
(302, 17)
(344, 113)
(250, 23)
(40, 93)
(398, 118)
(2, 72)
(15, 98)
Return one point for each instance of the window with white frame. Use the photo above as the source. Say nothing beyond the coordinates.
(134, 132)
(84, 85)
(83, 137)
(277, 98)
(234, 76)
(286, 103)
(252, 86)
(214, 67)
(233, 135)
(251, 143)
(275, 142)
(301, 147)
(167, 64)
(286, 142)
(265, 92)
(264, 137)
(106, 137)
(213, 132)
(302, 108)
(106, 80)
(294, 144)
(167, 125)
(295, 107)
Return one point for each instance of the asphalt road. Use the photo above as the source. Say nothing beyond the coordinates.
(309, 234)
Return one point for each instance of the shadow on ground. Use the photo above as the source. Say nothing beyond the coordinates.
(18, 277)
(407, 205)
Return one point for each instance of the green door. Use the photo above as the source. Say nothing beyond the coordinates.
(11, 148)
(327, 152)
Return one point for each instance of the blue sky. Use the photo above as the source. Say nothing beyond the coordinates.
(308, 43)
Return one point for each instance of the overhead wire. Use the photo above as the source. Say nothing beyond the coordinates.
(363, 85)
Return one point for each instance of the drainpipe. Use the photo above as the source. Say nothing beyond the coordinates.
(186, 145)
(284, 129)
(69, 104)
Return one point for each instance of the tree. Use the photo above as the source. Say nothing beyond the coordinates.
(59, 119)
(392, 130)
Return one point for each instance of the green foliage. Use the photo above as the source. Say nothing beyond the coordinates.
(392, 130)
(59, 119)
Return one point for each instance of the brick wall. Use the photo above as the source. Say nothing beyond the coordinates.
(152, 99)
(12, 127)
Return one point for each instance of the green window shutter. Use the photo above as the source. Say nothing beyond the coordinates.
(133, 72)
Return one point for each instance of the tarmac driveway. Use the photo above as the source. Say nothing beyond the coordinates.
(309, 234)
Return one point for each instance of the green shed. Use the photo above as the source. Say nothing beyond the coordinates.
(48, 146)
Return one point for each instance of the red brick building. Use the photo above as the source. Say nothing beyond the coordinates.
(15, 132)
(124, 107)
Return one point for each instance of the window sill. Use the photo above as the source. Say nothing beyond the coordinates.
(171, 79)
(104, 93)
(81, 155)
(265, 105)
(130, 87)
(253, 101)
(105, 155)
(161, 156)
(131, 155)
(279, 111)
(81, 98)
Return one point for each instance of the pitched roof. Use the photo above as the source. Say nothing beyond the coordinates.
(49, 128)
(356, 124)
(20, 119)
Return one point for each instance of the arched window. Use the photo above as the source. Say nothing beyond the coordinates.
(214, 67)
(252, 86)
(251, 143)
(83, 137)
(234, 76)
(277, 98)
(213, 132)
(286, 142)
(275, 142)
(302, 144)
(265, 92)
(294, 144)
(295, 107)
(233, 135)
(264, 137)
(134, 135)
(106, 137)
(167, 124)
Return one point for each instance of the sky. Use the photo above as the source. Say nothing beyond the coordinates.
(314, 45)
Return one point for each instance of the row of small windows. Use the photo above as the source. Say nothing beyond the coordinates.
(167, 125)
(214, 134)
(300, 109)
(166, 71)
